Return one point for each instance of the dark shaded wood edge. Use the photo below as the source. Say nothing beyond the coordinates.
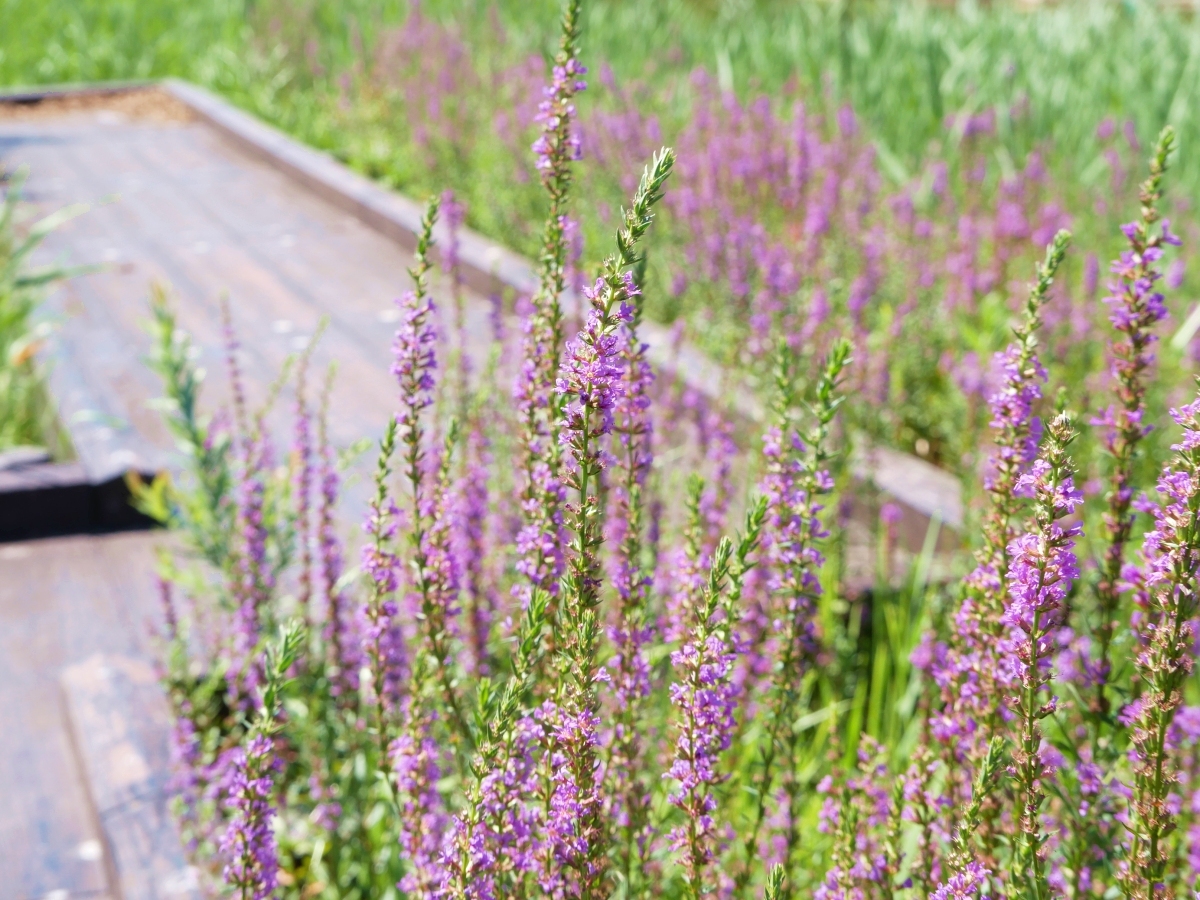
(55, 499)
(37, 93)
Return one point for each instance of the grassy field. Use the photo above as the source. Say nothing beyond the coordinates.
(1047, 111)
(903, 66)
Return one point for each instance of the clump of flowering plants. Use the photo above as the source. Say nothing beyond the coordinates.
(630, 684)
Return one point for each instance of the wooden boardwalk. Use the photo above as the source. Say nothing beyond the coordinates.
(174, 201)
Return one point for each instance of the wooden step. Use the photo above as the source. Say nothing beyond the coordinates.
(119, 726)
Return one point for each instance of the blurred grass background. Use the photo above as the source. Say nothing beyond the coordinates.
(326, 71)
(902, 65)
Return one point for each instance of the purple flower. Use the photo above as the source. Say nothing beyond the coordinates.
(1022, 375)
(705, 700)
(591, 371)
(302, 488)
(248, 843)
(558, 142)
(414, 356)
(424, 820)
(255, 578)
(471, 515)
(1042, 569)
(971, 668)
(1165, 588)
(572, 821)
(508, 835)
(340, 635)
(965, 885)
(793, 528)
(629, 631)
(383, 644)
(1136, 307)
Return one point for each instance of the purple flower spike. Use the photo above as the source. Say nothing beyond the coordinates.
(968, 884)
(967, 670)
(559, 142)
(1136, 307)
(1165, 589)
(1042, 569)
(249, 842)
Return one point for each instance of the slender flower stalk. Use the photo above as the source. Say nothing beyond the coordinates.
(250, 575)
(795, 480)
(383, 645)
(1136, 308)
(253, 578)
(343, 653)
(1167, 584)
(434, 568)
(421, 824)
(302, 482)
(1042, 571)
(458, 360)
(631, 632)
(705, 699)
(472, 865)
(590, 383)
(248, 842)
(1017, 434)
(473, 514)
(542, 493)
(209, 516)
(455, 213)
(689, 564)
(436, 571)
(968, 670)
(961, 854)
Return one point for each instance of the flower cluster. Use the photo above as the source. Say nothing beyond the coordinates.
(705, 699)
(575, 675)
(590, 378)
(558, 142)
(1167, 581)
(248, 842)
(1136, 308)
(1041, 572)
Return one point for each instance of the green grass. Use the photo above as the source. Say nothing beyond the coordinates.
(314, 68)
(26, 412)
(903, 66)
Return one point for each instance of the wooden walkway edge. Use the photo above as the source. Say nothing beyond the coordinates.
(488, 269)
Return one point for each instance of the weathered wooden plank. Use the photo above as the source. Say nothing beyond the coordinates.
(61, 600)
(118, 721)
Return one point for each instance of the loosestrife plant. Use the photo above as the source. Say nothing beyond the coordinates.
(600, 644)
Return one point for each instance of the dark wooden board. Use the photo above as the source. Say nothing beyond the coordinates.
(61, 601)
(117, 715)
